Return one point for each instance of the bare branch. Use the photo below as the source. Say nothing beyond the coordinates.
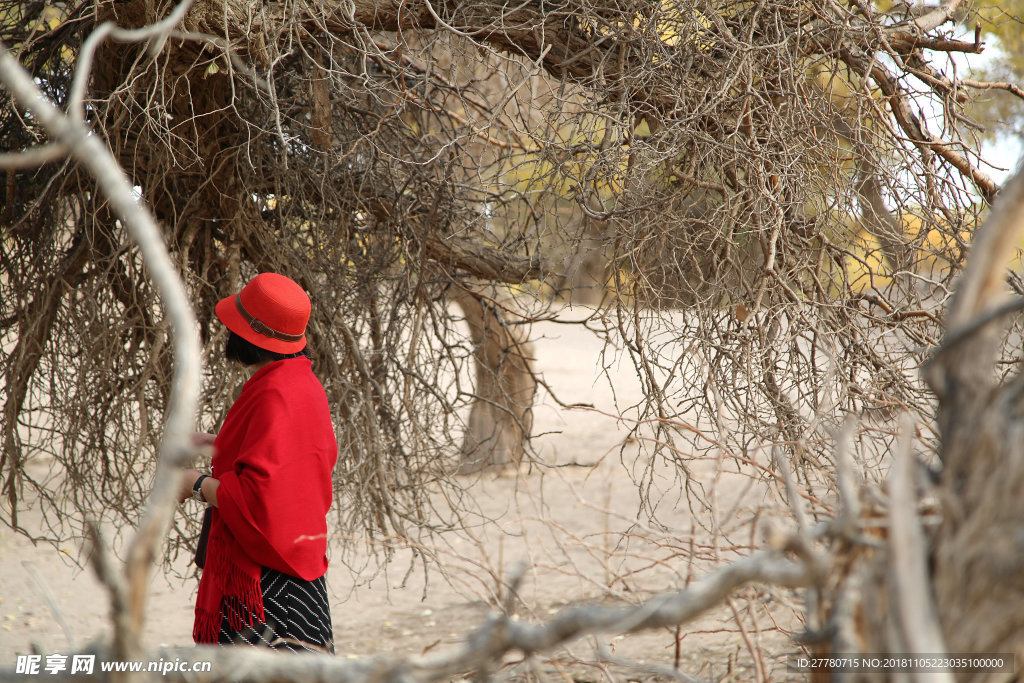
(33, 157)
(912, 125)
(176, 448)
(938, 16)
(848, 479)
(157, 32)
(1011, 88)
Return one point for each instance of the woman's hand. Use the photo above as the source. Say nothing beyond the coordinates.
(188, 480)
(203, 439)
(202, 448)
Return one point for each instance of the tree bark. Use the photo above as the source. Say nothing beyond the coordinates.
(501, 416)
(979, 551)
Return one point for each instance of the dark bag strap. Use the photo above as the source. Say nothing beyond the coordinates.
(204, 536)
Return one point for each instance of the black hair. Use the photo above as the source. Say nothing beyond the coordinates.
(247, 353)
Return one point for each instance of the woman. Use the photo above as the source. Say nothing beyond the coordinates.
(270, 488)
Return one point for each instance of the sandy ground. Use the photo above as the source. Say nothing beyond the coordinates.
(571, 525)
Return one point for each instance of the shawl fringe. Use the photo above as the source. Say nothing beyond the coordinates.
(227, 589)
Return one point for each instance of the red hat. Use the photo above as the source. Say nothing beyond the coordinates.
(270, 312)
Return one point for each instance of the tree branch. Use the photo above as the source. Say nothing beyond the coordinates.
(490, 642)
(481, 261)
(912, 126)
(175, 448)
(31, 158)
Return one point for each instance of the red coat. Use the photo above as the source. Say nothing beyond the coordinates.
(273, 458)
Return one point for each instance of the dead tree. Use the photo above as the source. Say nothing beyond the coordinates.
(381, 154)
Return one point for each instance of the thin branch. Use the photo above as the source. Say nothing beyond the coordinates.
(482, 261)
(1011, 88)
(847, 479)
(47, 594)
(905, 41)
(914, 129)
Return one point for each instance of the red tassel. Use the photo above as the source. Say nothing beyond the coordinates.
(230, 582)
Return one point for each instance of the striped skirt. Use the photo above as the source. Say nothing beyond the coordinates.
(298, 616)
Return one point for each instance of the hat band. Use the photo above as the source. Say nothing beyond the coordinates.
(260, 327)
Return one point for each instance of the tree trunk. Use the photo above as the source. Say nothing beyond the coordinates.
(501, 417)
(978, 555)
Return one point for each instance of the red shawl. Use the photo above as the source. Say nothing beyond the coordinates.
(273, 457)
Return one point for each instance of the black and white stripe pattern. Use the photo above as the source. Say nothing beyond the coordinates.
(298, 616)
